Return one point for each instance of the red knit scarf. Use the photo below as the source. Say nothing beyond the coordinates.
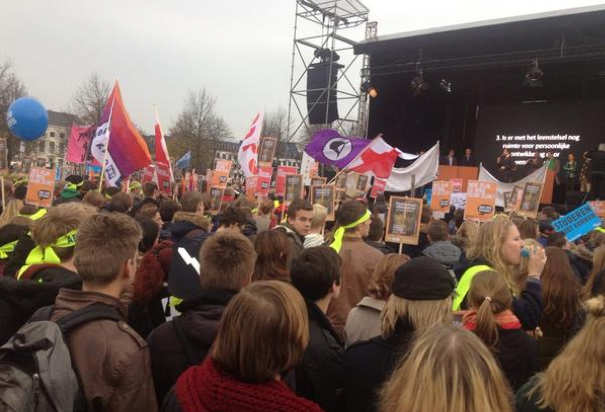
(505, 320)
(205, 389)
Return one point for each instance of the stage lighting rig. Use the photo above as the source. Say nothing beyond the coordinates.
(533, 77)
(370, 90)
(419, 84)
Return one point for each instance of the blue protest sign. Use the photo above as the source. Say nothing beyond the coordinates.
(577, 223)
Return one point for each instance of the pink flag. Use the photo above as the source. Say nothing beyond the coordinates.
(247, 155)
(79, 140)
(378, 158)
(161, 151)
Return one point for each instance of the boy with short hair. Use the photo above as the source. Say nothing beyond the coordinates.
(441, 248)
(110, 359)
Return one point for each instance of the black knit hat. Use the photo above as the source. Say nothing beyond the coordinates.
(422, 278)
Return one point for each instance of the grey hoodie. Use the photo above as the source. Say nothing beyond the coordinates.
(443, 251)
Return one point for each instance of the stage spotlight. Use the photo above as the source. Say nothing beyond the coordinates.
(418, 84)
(370, 90)
(445, 85)
(533, 77)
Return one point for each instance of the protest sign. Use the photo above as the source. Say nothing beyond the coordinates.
(294, 188)
(356, 185)
(40, 187)
(216, 199)
(309, 168)
(513, 202)
(480, 200)
(162, 173)
(577, 223)
(219, 179)
(440, 196)
(324, 195)
(530, 200)
(266, 151)
(148, 174)
(458, 200)
(263, 184)
(341, 181)
(403, 220)
(318, 181)
(280, 180)
(599, 207)
(378, 188)
(457, 184)
(26, 164)
(223, 165)
(251, 184)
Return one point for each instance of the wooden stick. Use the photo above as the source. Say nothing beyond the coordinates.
(3, 195)
(400, 248)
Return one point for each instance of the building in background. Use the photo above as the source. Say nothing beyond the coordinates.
(49, 150)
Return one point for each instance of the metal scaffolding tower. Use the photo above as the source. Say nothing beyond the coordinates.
(321, 37)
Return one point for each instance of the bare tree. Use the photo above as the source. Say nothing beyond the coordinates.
(275, 124)
(197, 128)
(90, 99)
(11, 88)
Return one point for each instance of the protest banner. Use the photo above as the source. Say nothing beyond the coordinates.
(530, 201)
(3, 156)
(251, 185)
(578, 222)
(378, 188)
(599, 207)
(148, 174)
(480, 200)
(318, 181)
(294, 188)
(162, 173)
(280, 180)
(223, 165)
(403, 220)
(216, 199)
(266, 151)
(441, 195)
(40, 187)
(457, 184)
(263, 184)
(324, 195)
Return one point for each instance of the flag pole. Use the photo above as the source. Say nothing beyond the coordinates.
(106, 147)
(354, 159)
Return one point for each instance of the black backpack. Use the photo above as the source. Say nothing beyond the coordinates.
(36, 373)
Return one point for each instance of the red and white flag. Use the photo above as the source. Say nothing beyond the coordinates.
(161, 150)
(378, 159)
(247, 155)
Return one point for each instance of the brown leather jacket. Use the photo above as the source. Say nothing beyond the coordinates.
(111, 359)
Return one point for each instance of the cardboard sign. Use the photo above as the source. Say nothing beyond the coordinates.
(356, 185)
(40, 187)
(531, 200)
(578, 222)
(324, 195)
(378, 188)
(220, 178)
(162, 173)
(341, 181)
(216, 199)
(480, 200)
(441, 195)
(280, 180)
(318, 181)
(251, 184)
(263, 184)
(266, 151)
(26, 164)
(403, 220)
(457, 184)
(294, 188)
(223, 165)
(599, 207)
(514, 200)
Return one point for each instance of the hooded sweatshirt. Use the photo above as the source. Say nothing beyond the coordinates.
(445, 252)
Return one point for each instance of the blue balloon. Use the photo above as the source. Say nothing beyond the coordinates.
(27, 118)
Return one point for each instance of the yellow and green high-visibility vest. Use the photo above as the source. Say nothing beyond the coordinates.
(465, 284)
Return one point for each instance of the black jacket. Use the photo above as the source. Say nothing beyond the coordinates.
(517, 355)
(148, 200)
(319, 376)
(598, 163)
(19, 255)
(414, 251)
(555, 336)
(467, 162)
(368, 364)
(199, 322)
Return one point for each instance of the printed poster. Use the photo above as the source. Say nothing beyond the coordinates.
(294, 188)
(577, 223)
(324, 195)
(378, 188)
(162, 173)
(318, 181)
(480, 200)
(280, 180)
(403, 220)
(441, 196)
(267, 151)
(216, 199)
(457, 184)
(40, 187)
(531, 200)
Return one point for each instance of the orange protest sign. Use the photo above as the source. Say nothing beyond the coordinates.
(219, 179)
(442, 192)
(480, 200)
(40, 187)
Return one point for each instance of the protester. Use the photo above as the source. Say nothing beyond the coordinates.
(243, 370)
(110, 359)
(14, 205)
(595, 284)
(563, 315)
(70, 192)
(441, 248)
(167, 211)
(559, 240)
(297, 226)
(120, 203)
(466, 235)
(94, 199)
(529, 229)
(272, 250)
(358, 260)
(152, 193)
(447, 370)
(316, 275)
(491, 319)
(421, 298)
(498, 247)
(233, 219)
(318, 223)
(574, 379)
(264, 219)
(521, 272)
(226, 261)
(423, 240)
(375, 236)
(363, 321)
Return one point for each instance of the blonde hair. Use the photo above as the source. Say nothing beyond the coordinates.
(521, 272)
(421, 314)
(575, 381)
(320, 214)
(468, 230)
(488, 245)
(12, 210)
(448, 369)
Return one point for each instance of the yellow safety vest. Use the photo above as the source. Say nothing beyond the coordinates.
(465, 284)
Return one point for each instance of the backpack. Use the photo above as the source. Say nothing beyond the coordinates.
(36, 373)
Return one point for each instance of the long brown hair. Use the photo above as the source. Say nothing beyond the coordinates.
(574, 381)
(560, 288)
(598, 265)
(272, 249)
(448, 369)
(489, 295)
(383, 274)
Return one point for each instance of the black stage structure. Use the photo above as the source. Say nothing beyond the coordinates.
(460, 70)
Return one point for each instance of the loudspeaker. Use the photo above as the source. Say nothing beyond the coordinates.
(320, 101)
(574, 198)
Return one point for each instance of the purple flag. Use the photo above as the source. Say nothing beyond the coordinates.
(330, 148)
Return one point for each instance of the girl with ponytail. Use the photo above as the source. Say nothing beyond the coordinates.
(491, 318)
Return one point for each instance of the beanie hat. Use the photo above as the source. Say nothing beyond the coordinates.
(422, 278)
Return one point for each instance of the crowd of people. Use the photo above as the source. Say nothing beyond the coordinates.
(268, 307)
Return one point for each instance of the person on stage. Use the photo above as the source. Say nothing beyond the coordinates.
(450, 159)
(468, 159)
(507, 166)
(570, 172)
(533, 164)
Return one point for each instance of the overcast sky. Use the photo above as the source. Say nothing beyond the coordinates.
(240, 50)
